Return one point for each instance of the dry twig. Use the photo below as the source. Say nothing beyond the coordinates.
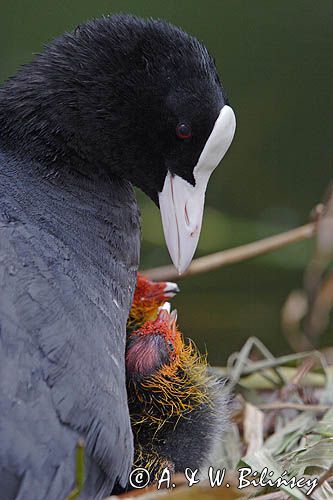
(280, 405)
(234, 255)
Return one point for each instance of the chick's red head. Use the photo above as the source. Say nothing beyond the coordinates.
(156, 344)
(165, 375)
(148, 297)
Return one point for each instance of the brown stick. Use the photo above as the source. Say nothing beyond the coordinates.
(326, 475)
(281, 405)
(233, 255)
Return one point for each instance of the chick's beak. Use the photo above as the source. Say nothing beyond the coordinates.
(182, 204)
(170, 289)
(169, 317)
(173, 321)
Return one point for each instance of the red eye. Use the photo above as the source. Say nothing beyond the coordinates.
(183, 131)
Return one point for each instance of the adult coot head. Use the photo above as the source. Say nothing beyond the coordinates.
(140, 98)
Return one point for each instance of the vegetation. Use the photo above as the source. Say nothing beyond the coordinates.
(283, 406)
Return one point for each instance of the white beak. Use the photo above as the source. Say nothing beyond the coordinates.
(182, 204)
(165, 307)
(170, 289)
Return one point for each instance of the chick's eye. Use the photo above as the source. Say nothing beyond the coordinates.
(170, 345)
(183, 131)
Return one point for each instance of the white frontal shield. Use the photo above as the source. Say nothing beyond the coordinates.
(182, 204)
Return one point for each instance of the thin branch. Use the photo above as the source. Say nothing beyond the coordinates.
(280, 405)
(326, 475)
(233, 255)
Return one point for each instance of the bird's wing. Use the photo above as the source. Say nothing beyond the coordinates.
(62, 366)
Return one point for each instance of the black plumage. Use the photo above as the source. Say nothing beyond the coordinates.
(90, 116)
(109, 95)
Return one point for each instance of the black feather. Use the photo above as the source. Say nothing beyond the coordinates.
(91, 115)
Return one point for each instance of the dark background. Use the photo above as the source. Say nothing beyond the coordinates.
(275, 61)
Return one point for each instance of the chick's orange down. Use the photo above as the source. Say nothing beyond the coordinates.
(178, 408)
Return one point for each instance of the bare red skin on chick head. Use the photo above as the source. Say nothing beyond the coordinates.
(155, 344)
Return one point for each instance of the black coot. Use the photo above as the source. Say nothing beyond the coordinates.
(119, 102)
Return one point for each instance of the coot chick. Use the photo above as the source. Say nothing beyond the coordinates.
(119, 102)
(178, 409)
(148, 297)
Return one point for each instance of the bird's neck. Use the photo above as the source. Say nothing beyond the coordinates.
(34, 117)
(84, 227)
(68, 196)
(50, 113)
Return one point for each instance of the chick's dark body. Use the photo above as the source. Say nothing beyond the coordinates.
(179, 409)
(187, 440)
(91, 116)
